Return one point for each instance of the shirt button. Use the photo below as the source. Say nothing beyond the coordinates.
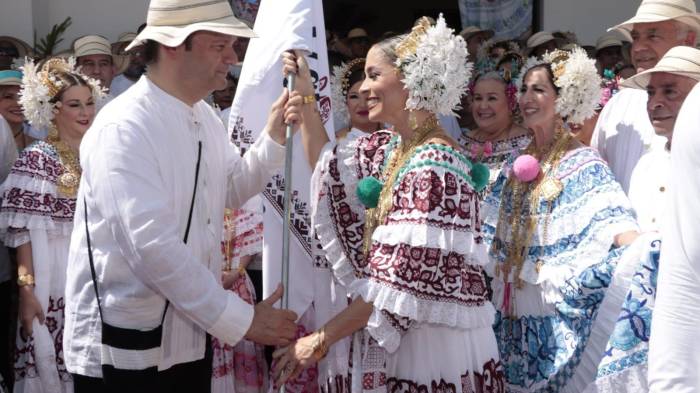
(653, 220)
(208, 221)
(662, 189)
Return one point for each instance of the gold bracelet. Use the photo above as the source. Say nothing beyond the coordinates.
(310, 99)
(241, 270)
(319, 344)
(25, 279)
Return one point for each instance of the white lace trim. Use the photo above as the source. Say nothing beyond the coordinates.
(424, 311)
(632, 380)
(26, 220)
(343, 269)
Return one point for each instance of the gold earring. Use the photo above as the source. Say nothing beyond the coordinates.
(412, 122)
(53, 133)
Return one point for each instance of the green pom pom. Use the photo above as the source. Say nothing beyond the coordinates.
(480, 175)
(368, 190)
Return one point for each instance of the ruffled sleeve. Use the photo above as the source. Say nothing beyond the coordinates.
(425, 262)
(581, 227)
(30, 200)
(338, 217)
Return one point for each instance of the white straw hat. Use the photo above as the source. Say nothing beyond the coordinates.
(469, 31)
(98, 45)
(661, 10)
(607, 40)
(169, 22)
(681, 60)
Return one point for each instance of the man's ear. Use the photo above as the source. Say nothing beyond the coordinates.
(691, 38)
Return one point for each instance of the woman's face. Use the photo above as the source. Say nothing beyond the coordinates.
(10, 108)
(76, 111)
(386, 96)
(537, 99)
(490, 105)
(357, 105)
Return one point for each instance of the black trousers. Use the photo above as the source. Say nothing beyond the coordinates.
(192, 377)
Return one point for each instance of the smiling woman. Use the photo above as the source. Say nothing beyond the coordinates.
(397, 214)
(550, 224)
(36, 217)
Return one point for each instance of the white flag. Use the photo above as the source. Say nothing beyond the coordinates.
(283, 25)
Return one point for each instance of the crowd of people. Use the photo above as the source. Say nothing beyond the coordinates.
(494, 215)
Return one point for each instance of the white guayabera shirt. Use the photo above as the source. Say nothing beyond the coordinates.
(624, 133)
(138, 163)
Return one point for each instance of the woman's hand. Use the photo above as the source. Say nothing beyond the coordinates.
(293, 359)
(295, 63)
(229, 278)
(626, 238)
(29, 308)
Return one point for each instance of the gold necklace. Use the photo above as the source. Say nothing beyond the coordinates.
(375, 216)
(68, 182)
(523, 219)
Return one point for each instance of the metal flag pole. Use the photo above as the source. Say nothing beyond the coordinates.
(287, 206)
(287, 202)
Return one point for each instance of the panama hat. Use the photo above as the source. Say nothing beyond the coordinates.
(357, 32)
(170, 22)
(10, 78)
(537, 39)
(98, 45)
(23, 49)
(469, 31)
(606, 41)
(661, 10)
(681, 60)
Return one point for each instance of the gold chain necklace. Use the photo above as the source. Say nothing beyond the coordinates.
(524, 216)
(68, 182)
(375, 216)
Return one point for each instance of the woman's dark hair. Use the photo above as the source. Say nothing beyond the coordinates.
(150, 49)
(550, 75)
(69, 80)
(357, 74)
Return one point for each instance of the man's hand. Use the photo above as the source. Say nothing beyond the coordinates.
(286, 110)
(272, 326)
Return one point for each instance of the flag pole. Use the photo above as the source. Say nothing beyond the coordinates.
(289, 135)
(287, 202)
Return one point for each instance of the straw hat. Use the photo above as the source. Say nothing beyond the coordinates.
(538, 39)
(23, 49)
(357, 32)
(169, 22)
(660, 10)
(681, 60)
(98, 45)
(469, 31)
(10, 78)
(126, 37)
(606, 41)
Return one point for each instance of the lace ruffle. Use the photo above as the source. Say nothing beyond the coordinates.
(419, 310)
(344, 270)
(40, 209)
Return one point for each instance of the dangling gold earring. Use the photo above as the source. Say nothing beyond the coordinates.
(412, 122)
(53, 133)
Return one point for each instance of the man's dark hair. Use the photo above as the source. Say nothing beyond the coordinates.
(150, 49)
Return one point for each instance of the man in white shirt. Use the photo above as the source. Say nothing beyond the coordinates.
(674, 348)
(139, 162)
(667, 85)
(623, 132)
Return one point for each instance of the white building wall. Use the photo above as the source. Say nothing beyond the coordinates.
(589, 19)
(19, 18)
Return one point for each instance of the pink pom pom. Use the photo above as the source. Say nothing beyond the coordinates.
(488, 149)
(526, 168)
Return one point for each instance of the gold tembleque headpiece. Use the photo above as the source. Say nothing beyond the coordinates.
(409, 44)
